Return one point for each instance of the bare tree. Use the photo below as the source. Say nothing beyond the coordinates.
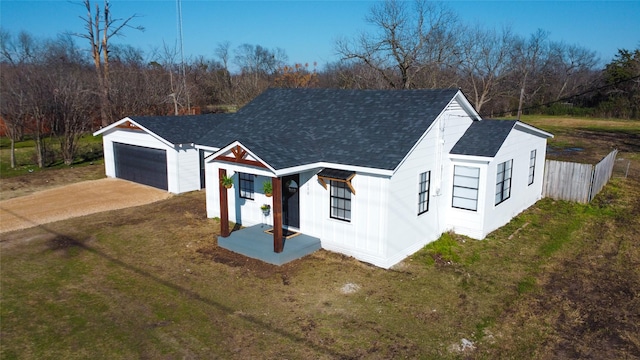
(528, 58)
(572, 67)
(100, 29)
(484, 62)
(72, 110)
(407, 41)
(12, 106)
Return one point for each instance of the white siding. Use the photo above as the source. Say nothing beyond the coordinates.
(407, 231)
(463, 221)
(363, 236)
(247, 212)
(517, 146)
(183, 169)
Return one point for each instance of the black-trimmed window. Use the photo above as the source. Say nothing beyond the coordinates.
(246, 186)
(340, 200)
(466, 180)
(503, 181)
(532, 166)
(423, 192)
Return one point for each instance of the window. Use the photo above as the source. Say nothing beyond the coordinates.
(532, 166)
(246, 186)
(423, 192)
(340, 201)
(503, 181)
(466, 180)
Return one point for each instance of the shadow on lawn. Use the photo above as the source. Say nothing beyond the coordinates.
(65, 242)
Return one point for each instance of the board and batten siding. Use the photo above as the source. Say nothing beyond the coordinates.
(363, 236)
(517, 147)
(408, 232)
(243, 211)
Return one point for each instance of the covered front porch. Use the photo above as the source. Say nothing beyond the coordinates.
(255, 242)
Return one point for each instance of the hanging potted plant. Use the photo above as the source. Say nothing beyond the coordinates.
(226, 181)
(265, 209)
(267, 188)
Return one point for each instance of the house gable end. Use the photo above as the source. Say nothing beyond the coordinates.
(128, 124)
(237, 153)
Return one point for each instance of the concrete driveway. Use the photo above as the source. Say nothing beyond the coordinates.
(74, 200)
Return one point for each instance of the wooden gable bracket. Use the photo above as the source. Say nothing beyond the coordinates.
(240, 157)
(323, 179)
(128, 125)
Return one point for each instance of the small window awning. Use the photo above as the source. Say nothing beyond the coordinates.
(344, 176)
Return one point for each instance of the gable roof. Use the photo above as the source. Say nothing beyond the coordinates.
(483, 138)
(180, 129)
(368, 128)
(172, 129)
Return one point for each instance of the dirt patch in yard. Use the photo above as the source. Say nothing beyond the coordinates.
(15, 186)
(74, 200)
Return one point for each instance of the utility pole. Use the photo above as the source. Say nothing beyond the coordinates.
(520, 104)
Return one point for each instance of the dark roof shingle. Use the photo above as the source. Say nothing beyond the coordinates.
(483, 138)
(369, 128)
(180, 129)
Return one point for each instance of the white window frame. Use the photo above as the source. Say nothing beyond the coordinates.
(532, 166)
(424, 183)
(504, 173)
(466, 185)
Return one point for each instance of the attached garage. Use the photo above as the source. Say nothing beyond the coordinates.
(158, 151)
(142, 165)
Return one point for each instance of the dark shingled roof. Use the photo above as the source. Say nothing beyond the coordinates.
(181, 129)
(369, 128)
(483, 138)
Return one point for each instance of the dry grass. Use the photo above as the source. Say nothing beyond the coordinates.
(12, 187)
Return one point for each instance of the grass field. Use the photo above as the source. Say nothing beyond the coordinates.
(562, 280)
(89, 149)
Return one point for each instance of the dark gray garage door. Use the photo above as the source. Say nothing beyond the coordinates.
(141, 164)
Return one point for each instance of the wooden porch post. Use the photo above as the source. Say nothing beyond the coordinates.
(224, 205)
(278, 244)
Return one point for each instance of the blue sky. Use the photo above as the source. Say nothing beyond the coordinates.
(307, 30)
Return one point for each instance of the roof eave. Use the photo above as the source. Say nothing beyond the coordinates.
(128, 119)
(473, 158)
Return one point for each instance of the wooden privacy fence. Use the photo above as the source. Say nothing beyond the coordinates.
(576, 182)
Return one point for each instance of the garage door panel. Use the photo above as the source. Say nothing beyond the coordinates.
(141, 164)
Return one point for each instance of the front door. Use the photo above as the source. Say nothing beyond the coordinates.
(291, 201)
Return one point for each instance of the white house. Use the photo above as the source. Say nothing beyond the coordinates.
(158, 150)
(373, 174)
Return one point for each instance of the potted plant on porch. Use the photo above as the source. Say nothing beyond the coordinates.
(265, 209)
(226, 181)
(267, 188)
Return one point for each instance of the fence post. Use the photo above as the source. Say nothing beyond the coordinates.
(593, 178)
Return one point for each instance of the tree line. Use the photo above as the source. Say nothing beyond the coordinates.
(58, 89)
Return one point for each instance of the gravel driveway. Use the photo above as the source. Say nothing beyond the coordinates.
(74, 200)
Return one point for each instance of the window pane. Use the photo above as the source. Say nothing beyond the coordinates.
(465, 182)
(465, 187)
(246, 185)
(466, 171)
(465, 203)
(340, 201)
(465, 193)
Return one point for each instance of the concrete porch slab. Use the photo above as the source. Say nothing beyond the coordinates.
(255, 243)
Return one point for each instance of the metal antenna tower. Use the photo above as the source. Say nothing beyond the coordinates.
(180, 38)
